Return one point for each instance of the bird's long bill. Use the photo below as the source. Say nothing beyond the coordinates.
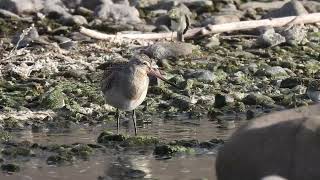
(156, 73)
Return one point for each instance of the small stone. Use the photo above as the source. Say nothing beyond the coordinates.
(270, 38)
(213, 42)
(290, 82)
(201, 75)
(107, 137)
(167, 50)
(313, 90)
(294, 35)
(222, 19)
(26, 38)
(53, 99)
(10, 168)
(258, 99)
(222, 100)
(291, 8)
(276, 72)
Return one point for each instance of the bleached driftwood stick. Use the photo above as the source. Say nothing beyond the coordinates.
(210, 29)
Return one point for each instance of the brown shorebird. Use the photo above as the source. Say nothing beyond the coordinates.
(180, 20)
(125, 85)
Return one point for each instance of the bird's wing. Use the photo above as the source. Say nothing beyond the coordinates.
(187, 23)
(111, 71)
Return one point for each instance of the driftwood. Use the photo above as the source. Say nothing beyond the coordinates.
(211, 29)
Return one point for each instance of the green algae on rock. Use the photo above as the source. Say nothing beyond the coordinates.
(53, 99)
(10, 168)
(170, 150)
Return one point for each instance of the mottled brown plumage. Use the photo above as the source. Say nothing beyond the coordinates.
(125, 85)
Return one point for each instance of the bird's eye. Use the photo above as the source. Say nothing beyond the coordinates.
(145, 63)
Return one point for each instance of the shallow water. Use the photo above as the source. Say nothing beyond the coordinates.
(115, 165)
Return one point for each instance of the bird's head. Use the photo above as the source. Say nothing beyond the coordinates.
(174, 14)
(143, 63)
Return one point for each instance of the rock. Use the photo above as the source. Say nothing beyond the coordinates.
(26, 38)
(8, 14)
(65, 43)
(167, 50)
(223, 100)
(10, 168)
(119, 13)
(183, 103)
(201, 75)
(82, 150)
(168, 150)
(221, 19)
(258, 99)
(53, 99)
(312, 6)
(270, 38)
(291, 8)
(78, 20)
(313, 90)
(55, 9)
(276, 72)
(212, 42)
(262, 5)
(283, 143)
(290, 82)
(22, 7)
(294, 35)
(77, 36)
(107, 137)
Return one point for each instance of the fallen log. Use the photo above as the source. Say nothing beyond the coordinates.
(210, 29)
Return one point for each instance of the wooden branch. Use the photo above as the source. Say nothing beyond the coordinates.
(210, 29)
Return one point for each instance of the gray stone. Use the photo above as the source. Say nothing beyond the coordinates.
(291, 8)
(212, 42)
(167, 50)
(8, 14)
(276, 72)
(78, 20)
(283, 143)
(270, 38)
(221, 19)
(202, 75)
(22, 6)
(55, 9)
(26, 38)
(120, 13)
(258, 99)
(312, 6)
(294, 35)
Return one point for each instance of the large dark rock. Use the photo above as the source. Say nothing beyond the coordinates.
(285, 144)
(22, 6)
(120, 13)
(291, 8)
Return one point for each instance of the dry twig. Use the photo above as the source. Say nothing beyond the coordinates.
(211, 29)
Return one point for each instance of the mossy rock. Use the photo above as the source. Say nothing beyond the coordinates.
(10, 168)
(258, 99)
(12, 124)
(16, 151)
(140, 141)
(53, 99)
(170, 150)
(82, 150)
(185, 143)
(108, 137)
(58, 160)
(4, 136)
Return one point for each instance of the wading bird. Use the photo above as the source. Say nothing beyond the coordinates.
(180, 20)
(125, 86)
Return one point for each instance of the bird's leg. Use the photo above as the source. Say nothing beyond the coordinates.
(118, 120)
(180, 36)
(172, 36)
(134, 122)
